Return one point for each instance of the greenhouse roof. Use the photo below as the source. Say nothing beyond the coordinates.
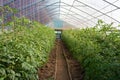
(80, 13)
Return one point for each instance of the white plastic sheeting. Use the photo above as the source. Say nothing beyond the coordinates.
(80, 13)
(86, 13)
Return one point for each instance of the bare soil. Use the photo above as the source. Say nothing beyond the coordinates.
(61, 65)
(61, 71)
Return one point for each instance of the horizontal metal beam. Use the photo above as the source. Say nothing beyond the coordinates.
(102, 14)
(43, 8)
(67, 5)
(70, 14)
(48, 12)
(27, 6)
(55, 14)
(50, 16)
(8, 2)
(78, 19)
(41, 18)
(66, 18)
(53, 4)
(80, 10)
(70, 7)
(65, 14)
(105, 7)
(30, 5)
(74, 23)
(111, 4)
(106, 12)
(75, 18)
(78, 15)
(98, 11)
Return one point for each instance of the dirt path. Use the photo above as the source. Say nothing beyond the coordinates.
(61, 65)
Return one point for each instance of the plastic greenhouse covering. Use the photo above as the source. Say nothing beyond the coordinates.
(59, 39)
(79, 13)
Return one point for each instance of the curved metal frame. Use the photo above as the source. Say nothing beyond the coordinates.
(34, 13)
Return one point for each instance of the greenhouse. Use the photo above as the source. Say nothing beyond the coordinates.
(59, 39)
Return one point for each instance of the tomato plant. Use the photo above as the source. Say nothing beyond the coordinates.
(97, 49)
(24, 49)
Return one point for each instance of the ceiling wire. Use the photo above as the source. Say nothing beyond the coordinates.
(106, 12)
(70, 8)
(106, 6)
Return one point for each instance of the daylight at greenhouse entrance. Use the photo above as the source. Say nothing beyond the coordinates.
(59, 39)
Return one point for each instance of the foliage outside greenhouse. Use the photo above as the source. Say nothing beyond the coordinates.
(97, 49)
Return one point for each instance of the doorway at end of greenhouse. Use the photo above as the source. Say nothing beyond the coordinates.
(58, 33)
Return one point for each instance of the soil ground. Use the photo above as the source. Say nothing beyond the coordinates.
(61, 65)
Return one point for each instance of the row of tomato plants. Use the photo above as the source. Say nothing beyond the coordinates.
(97, 49)
(24, 50)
